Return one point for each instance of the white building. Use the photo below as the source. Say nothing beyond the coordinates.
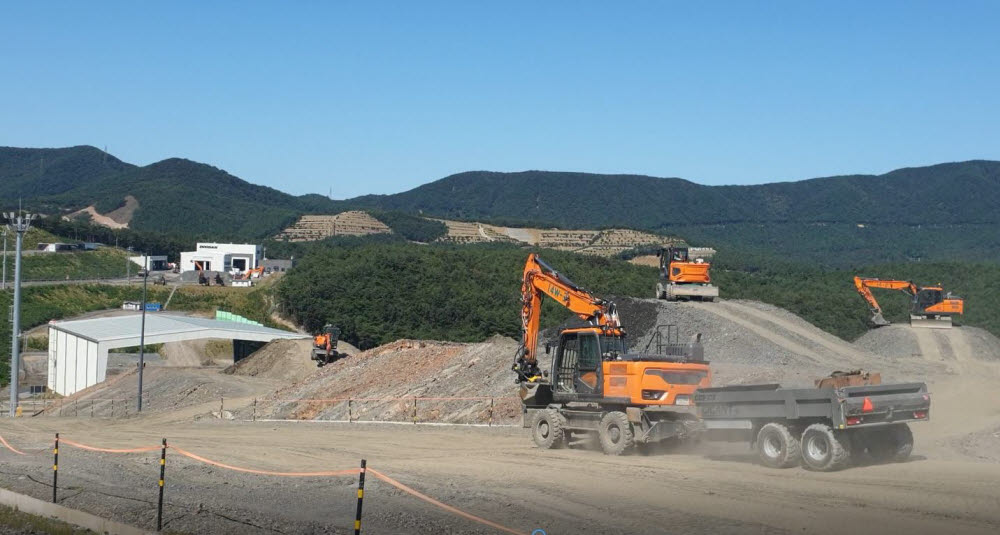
(222, 257)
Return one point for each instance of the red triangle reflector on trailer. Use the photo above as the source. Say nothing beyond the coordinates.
(867, 406)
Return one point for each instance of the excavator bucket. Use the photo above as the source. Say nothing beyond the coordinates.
(879, 321)
(936, 322)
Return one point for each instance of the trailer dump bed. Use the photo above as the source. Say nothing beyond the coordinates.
(826, 426)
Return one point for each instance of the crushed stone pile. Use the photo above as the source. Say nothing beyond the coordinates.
(382, 383)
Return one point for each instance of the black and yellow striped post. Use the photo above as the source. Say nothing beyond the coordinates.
(163, 469)
(414, 409)
(361, 497)
(55, 468)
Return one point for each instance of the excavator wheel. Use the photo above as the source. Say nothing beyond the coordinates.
(548, 429)
(616, 433)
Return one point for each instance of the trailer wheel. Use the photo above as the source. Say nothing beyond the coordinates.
(616, 433)
(891, 444)
(777, 447)
(824, 449)
(548, 429)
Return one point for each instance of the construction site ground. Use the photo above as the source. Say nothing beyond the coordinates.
(948, 486)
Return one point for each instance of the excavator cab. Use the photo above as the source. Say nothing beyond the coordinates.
(577, 363)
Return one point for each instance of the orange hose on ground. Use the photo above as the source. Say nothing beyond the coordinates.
(107, 450)
(446, 507)
(11, 448)
(265, 472)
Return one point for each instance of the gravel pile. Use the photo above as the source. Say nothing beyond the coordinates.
(896, 341)
(725, 341)
(395, 373)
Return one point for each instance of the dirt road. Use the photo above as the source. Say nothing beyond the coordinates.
(494, 473)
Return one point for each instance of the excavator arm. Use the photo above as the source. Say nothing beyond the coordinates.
(863, 285)
(541, 279)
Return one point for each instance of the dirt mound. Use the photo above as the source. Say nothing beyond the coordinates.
(383, 381)
(205, 352)
(281, 360)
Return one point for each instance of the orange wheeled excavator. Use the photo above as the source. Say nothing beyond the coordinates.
(684, 274)
(594, 385)
(931, 306)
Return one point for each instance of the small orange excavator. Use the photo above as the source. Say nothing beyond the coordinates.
(684, 274)
(594, 385)
(325, 346)
(931, 306)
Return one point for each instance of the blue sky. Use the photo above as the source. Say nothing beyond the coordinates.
(369, 97)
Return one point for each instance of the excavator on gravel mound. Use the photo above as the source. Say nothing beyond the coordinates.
(594, 385)
(684, 274)
(324, 350)
(931, 306)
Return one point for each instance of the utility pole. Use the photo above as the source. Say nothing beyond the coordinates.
(19, 223)
(128, 261)
(142, 330)
(3, 282)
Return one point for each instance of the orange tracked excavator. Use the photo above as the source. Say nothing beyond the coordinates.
(931, 306)
(594, 385)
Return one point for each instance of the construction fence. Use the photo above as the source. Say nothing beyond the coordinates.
(485, 411)
(162, 482)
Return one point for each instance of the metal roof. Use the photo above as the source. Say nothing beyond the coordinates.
(158, 324)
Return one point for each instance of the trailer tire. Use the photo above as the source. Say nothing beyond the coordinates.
(891, 444)
(616, 433)
(660, 294)
(824, 449)
(548, 429)
(777, 447)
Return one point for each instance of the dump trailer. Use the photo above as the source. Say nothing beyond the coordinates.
(684, 274)
(822, 428)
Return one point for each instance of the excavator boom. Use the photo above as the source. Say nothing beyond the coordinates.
(541, 279)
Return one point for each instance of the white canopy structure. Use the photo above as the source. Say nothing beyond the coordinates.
(78, 350)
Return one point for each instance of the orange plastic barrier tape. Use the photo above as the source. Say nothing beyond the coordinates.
(108, 450)
(11, 448)
(446, 507)
(265, 472)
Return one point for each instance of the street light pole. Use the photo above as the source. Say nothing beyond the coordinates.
(3, 282)
(142, 330)
(18, 223)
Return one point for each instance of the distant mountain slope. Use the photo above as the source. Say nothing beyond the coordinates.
(177, 196)
(31, 173)
(951, 193)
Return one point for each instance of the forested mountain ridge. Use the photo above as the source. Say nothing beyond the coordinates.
(949, 193)
(938, 212)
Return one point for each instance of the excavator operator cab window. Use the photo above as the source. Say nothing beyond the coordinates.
(590, 353)
(612, 347)
(927, 298)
